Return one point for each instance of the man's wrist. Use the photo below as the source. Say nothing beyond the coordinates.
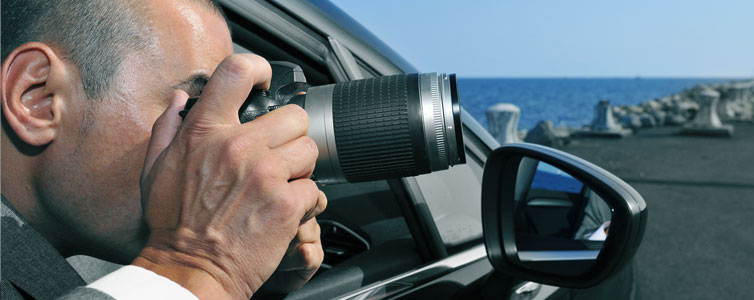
(197, 281)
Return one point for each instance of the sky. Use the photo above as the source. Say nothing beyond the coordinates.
(566, 38)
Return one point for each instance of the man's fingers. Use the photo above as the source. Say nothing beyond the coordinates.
(297, 258)
(308, 232)
(289, 122)
(229, 87)
(300, 155)
(305, 192)
(164, 129)
(318, 208)
(306, 256)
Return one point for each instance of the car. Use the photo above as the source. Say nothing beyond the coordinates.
(414, 237)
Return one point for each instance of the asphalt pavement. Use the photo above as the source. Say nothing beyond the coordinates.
(699, 241)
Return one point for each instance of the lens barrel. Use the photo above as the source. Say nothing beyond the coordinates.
(385, 127)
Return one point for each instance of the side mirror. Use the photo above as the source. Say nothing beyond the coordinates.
(553, 218)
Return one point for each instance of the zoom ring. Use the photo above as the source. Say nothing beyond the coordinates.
(373, 131)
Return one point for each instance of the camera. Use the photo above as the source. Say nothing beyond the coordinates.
(369, 129)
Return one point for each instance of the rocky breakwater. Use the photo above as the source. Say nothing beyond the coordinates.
(701, 110)
(736, 103)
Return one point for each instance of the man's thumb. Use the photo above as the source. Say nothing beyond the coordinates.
(164, 129)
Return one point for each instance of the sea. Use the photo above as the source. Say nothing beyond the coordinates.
(565, 101)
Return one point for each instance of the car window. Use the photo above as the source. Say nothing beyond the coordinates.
(453, 197)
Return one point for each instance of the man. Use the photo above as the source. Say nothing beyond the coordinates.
(96, 160)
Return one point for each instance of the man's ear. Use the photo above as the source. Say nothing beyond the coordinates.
(31, 90)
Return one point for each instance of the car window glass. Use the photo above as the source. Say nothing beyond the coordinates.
(453, 197)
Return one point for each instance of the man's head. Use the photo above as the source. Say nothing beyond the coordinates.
(82, 84)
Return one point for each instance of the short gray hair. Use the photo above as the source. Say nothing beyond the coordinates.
(94, 35)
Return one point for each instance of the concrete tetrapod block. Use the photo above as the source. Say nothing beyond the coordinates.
(707, 122)
(545, 133)
(736, 101)
(604, 124)
(503, 121)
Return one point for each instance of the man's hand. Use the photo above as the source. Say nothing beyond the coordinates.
(300, 263)
(224, 200)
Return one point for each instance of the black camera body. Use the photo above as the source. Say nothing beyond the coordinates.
(369, 129)
(288, 81)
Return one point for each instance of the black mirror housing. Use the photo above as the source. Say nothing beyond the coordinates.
(626, 229)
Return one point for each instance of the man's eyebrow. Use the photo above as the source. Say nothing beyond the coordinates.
(194, 85)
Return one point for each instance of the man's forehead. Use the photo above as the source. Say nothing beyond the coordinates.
(189, 35)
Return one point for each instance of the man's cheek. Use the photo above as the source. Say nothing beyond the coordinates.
(115, 155)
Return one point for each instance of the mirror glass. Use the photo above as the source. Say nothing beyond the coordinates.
(560, 223)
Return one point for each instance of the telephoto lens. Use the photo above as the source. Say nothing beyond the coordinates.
(370, 129)
(385, 127)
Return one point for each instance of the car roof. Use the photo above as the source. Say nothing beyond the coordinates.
(324, 16)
